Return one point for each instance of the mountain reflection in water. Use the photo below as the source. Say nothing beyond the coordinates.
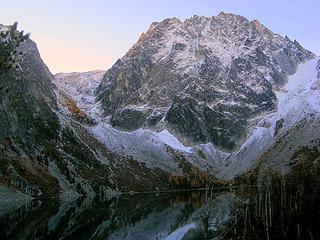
(140, 216)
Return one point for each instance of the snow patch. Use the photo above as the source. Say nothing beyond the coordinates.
(142, 144)
(166, 137)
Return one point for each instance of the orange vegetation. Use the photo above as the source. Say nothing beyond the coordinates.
(73, 108)
(194, 178)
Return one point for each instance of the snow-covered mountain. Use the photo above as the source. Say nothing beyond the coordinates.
(252, 81)
(48, 146)
(190, 101)
(203, 78)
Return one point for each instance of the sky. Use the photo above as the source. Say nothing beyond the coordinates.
(83, 35)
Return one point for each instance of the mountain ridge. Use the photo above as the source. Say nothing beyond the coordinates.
(224, 67)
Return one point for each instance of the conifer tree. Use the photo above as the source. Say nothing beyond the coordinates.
(10, 40)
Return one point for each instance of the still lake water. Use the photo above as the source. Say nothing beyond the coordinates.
(141, 216)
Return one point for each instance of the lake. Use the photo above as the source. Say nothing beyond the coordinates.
(174, 215)
(244, 212)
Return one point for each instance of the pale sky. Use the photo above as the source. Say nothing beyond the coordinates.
(83, 35)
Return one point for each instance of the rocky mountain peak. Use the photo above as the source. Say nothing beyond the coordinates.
(204, 77)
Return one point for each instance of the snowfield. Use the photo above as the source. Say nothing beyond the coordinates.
(296, 101)
(166, 137)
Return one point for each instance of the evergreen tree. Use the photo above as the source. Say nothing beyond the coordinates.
(10, 40)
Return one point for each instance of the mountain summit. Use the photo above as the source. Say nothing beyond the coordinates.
(202, 78)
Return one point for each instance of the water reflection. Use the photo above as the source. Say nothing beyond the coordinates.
(140, 216)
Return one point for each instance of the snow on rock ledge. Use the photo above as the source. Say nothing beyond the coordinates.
(297, 100)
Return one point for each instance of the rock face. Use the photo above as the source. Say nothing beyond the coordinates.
(27, 100)
(203, 78)
(28, 124)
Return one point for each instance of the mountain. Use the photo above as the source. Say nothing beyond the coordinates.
(46, 150)
(192, 102)
(49, 147)
(203, 78)
(254, 101)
